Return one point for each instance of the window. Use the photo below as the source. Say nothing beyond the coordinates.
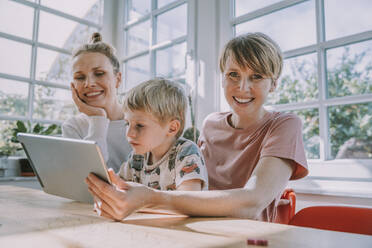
(155, 38)
(327, 74)
(36, 40)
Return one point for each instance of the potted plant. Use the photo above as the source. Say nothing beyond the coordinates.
(14, 159)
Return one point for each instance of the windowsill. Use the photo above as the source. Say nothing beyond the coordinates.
(332, 187)
(346, 177)
(5, 179)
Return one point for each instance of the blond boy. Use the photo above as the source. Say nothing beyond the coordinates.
(155, 118)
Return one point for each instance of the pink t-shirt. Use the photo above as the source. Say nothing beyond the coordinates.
(232, 154)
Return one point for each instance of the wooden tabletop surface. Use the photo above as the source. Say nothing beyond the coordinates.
(32, 218)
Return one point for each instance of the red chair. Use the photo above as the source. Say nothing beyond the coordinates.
(335, 218)
(287, 207)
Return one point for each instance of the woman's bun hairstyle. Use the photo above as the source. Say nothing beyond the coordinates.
(96, 37)
(96, 45)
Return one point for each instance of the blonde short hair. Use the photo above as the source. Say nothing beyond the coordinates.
(162, 98)
(256, 51)
(96, 45)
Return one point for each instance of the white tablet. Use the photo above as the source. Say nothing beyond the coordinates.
(62, 164)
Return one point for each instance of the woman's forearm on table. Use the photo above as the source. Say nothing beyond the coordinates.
(267, 182)
(227, 203)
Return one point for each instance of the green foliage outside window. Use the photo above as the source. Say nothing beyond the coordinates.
(345, 79)
(13, 103)
(350, 126)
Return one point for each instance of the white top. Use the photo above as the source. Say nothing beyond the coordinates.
(109, 135)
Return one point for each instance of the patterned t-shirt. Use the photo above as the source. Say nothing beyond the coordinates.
(182, 162)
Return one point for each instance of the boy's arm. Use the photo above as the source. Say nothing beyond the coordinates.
(191, 172)
(191, 185)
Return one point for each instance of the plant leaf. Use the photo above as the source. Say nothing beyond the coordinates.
(37, 128)
(50, 129)
(21, 127)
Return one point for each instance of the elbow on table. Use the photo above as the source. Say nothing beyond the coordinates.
(248, 212)
(249, 207)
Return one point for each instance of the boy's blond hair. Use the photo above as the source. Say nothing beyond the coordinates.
(256, 51)
(162, 98)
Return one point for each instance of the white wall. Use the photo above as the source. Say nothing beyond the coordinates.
(111, 22)
(206, 59)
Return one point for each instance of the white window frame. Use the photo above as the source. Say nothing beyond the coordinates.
(326, 176)
(153, 48)
(34, 43)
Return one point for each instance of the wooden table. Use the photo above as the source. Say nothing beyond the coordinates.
(32, 218)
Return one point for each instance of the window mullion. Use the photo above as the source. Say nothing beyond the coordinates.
(264, 11)
(58, 13)
(35, 35)
(322, 82)
(125, 10)
(190, 56)
(153, 37)
(226, 30)
(125, 31)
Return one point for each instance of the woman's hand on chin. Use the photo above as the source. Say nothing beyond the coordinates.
(118, 200)
(85, 108)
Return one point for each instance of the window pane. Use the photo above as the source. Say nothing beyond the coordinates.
(53, 103)
(243, 6)
(170, 62)
(349, 70)
(86, 9)
(182, 80)
(299, 81)
(13, 97)
(18, 58)
(7, 147)
(345, 17)
(291, 28)
(16, 19)
(53, 67)
(137, 71)
(69, 35)
(310, 130)
(351, 131)
(138, 38)
(5, 130)
(172, 24)
(162, 3)
(138, 8)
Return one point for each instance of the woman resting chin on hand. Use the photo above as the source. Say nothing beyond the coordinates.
(96, 78)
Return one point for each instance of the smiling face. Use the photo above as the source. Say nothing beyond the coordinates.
(146, 134)
(245, 90)
(95, 80)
